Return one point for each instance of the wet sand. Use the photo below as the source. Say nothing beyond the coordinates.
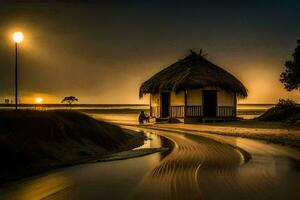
(265, 170)
(274, 132)
(116, 179)
(33, 142)
(200, 166)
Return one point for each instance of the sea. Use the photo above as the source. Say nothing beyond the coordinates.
(245, 111)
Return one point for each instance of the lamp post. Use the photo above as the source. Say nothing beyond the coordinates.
(18, 38)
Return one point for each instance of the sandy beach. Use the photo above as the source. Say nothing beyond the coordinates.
(158, 100)
(33, 142)
(199, 164)
(275, 132)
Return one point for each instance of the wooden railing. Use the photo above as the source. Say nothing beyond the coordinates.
(226, 111)
(176, 111)
(194, 111)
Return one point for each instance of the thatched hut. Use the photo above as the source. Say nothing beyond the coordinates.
(193, 89)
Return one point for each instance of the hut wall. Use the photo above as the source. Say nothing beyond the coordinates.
(226, 104)
(194, 97)
(177, 99)
(155, 105)
(154, 99)
(194, 103)
(225, 98)
(177, 104)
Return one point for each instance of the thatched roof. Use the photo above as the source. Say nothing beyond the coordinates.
(192, 72)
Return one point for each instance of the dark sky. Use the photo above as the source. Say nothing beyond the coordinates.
(102, 52)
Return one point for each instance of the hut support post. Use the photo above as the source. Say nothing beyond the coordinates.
(185, 103)
(150, 107)
(235, 105)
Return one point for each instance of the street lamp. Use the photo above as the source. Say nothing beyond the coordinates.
(18, 38)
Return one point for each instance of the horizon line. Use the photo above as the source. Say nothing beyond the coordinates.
(104, 104)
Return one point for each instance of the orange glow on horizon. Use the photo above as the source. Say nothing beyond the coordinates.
(38, 100)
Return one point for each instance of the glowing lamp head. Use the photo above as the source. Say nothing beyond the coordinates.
(39, 100)
(18, 37)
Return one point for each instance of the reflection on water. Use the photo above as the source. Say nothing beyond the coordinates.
(38, 188)
(129, 118)
(153, 140)
(200, 168)
(250, 107)
(196, 168)
(156, 141)
(108, 180)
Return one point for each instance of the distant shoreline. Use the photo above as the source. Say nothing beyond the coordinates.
(113, 105)
(246, 111)
(74, 105)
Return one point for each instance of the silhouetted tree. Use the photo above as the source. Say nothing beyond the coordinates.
(291, 76)
(70, 100)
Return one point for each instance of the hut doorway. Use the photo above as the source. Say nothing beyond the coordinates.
(165, 104)
(209, 103)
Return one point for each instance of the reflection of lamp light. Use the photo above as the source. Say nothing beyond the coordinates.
(39, 100)
(18, 38)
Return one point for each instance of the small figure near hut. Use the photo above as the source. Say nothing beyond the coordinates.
(143, 117)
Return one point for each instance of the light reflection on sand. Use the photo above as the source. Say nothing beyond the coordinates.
(38, 188)
(200, 166)
(271, 173)
(107, 180)
(118, 118)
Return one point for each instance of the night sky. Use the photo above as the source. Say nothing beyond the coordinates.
(102, 52)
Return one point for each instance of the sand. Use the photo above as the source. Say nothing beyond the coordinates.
(275, 132)
(202, 165)
(32, 142)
